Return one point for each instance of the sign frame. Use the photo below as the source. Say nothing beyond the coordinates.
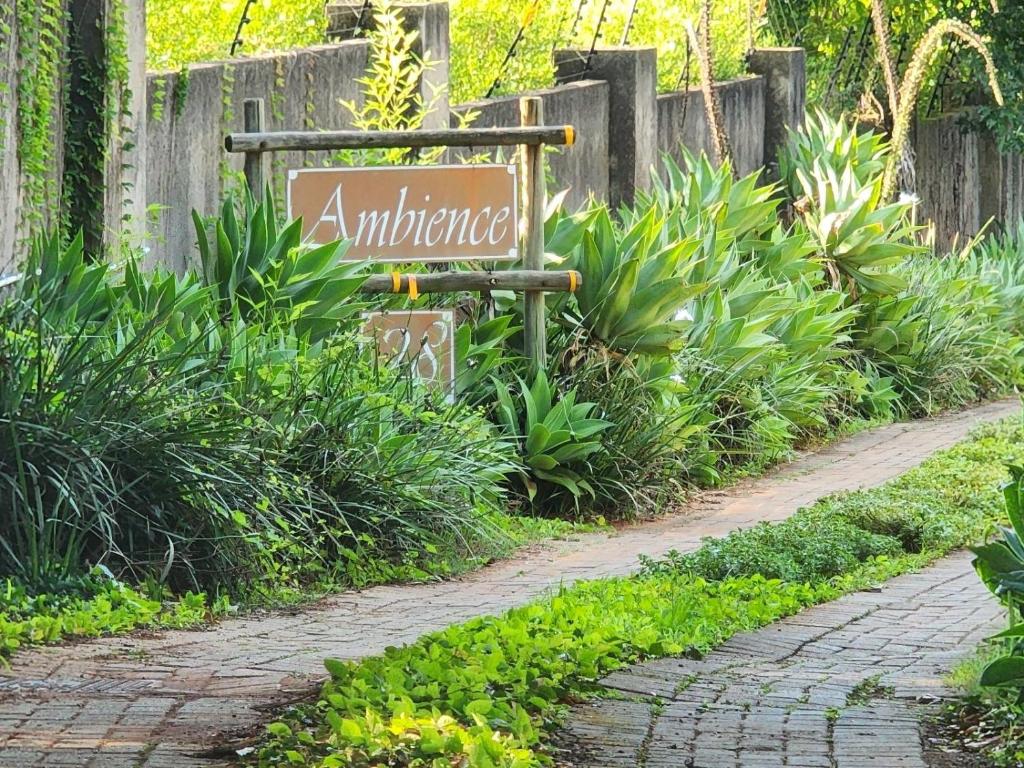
(512, 169)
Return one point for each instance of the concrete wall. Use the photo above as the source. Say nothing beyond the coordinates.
(187, 167)
(19, 216)
(1001, 196)
(682, 122)
(632, 77)
(581, 168)
(963, 180)
(785, 73)
(948, 180)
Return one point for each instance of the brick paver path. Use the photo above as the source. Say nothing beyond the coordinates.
(842, 685)
(160, 700)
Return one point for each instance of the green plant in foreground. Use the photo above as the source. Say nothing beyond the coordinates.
(485, 693)
(87, 607)
(481, 691)
(556, 433)
(259, 269)
(1000, 565)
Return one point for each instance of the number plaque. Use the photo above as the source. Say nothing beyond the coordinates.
(423, 340)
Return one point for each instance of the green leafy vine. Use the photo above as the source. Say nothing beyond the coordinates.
(40, 50)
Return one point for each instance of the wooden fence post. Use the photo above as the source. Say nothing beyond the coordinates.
(531, 111)
(255, 169)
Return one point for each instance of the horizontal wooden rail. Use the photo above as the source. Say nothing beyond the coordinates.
(330, 140)
(444, 282)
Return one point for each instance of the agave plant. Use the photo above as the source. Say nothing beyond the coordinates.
(859, 240)
(634, 287)
(835, 143)
(480, 350)
(257, 268)
(555, 433)
(749, 209)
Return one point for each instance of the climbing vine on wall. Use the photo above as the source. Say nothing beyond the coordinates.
(40, 51)
(98, 109)
(70, 106)
(6, 33)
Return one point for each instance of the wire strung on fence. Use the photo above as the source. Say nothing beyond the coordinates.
(598, 30)
(629, 24)
(528, 16)
(363, 21)
(586, 60)
(244, 19)
(566, 7)
(580, 7)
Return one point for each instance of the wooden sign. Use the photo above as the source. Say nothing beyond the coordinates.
(423, 340)
(410, 213)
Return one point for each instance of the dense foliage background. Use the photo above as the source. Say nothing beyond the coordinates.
(481, 33)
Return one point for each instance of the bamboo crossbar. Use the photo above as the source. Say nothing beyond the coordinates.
(449, 282)
(278, 141)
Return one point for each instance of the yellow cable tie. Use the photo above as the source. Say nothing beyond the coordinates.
(570, 135)
(414, 291)
(572, 281)
(396, 282)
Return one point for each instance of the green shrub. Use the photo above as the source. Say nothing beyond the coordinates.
(798, 550)
(936, 332)
(646, 454)
(89, 606)
(735, 336)
(946, 502)
(950, 337)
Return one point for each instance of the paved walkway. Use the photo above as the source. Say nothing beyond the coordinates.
(159, 700)
(841, 685)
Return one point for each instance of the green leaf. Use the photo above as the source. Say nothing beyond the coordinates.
(479, 707)
(280, 730)
(537, 440)
(1004, 671)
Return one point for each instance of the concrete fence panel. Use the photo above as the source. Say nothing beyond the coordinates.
(948, 178)
(682, 122)
(632, 77)
(187, 166)
(581, 168)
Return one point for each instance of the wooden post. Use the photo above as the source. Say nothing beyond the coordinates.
(531, 111)
(255, 168)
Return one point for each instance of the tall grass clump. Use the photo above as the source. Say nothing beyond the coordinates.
(226, 427)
